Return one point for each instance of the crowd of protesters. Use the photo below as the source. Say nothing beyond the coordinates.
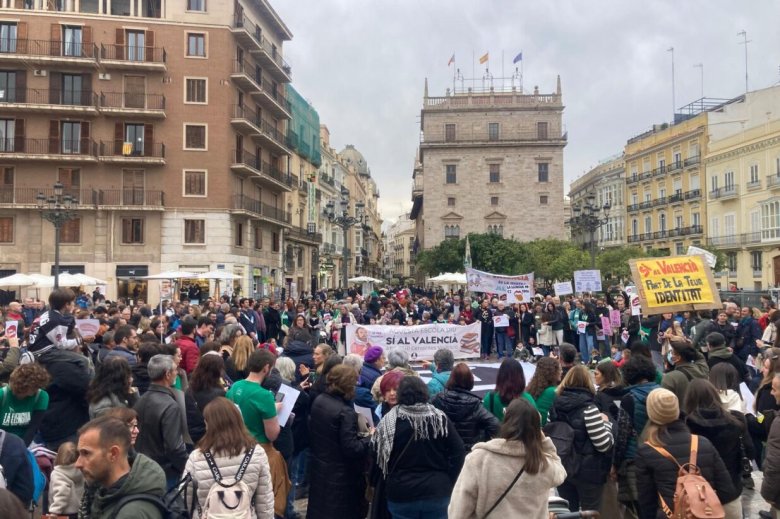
(178, 399)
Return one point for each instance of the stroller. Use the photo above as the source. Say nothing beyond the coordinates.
(559, 509)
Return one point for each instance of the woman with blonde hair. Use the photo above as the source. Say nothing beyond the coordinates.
(225, 449)
(575, 405)
(236, 364)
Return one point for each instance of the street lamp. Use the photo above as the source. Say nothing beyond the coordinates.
(588, 218)
(57, 209)
(343, 219)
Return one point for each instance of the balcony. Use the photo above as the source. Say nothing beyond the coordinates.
(659, 171)
(647, 204)
(693, 194)
(271, 138)
(676, 198)
(724, 193)
(248, 34)
(735, 240)
(302, 235)
(692, 161)
(245, 163)
(639, 177)
(660, 201)
(773, 181)
(269, 57)
(132, 57)
(48, 52)
(757, 273)
(62, 102)
(132, 104)
(88, 198)
(243, 120)
(271, 96)
(631, 208)
(49, 149)
(256, 208)
(686, 231)
(121, 152)
(246, 77)
(674, 166)
(754, 185)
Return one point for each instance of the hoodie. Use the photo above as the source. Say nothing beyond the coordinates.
(680, 377)
(719, 355)
(488, 471)
(145, 477)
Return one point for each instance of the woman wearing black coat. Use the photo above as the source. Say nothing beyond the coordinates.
(205, 385)
(338, 452)
(727, 431)
(473, 422)
(658, 475)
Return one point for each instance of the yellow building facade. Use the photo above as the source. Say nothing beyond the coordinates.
(665, 208)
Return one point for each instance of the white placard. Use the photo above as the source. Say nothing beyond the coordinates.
(747, 397)
(636, 304)
(631, 289)
(420, 342)
(587, 280)
(512, 289)
(11, 329)
(501, 321)
(288, 402)
(88, 327)
(582, 327)
(366, 412)
(563, 288)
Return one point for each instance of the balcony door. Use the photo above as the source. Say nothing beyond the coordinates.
(72, 86)
(136, 45)
(71, 138)
(8, 37)
(7, 134)
(72, 41)
(133, 186)
(71, 181)
(7, 87)
(135, 92)
(134, 135)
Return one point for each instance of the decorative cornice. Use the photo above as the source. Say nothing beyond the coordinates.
(743, 150)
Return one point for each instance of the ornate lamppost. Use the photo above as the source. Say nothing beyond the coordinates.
(57, 209)
(343, 219)
(588, 218)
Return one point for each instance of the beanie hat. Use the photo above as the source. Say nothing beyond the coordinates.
(662, 406)
(373, 354)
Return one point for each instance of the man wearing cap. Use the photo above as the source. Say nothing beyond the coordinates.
(373, 362)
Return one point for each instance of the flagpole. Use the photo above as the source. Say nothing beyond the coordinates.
(502, 69)
(473, 70)
(521, 72)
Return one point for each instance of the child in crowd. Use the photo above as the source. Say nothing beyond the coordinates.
(67, 482)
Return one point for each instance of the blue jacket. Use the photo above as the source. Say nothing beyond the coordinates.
(368, 376)
(438, 382)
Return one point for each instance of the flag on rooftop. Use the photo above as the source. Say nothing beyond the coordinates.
(451, 61)
(519, 57)
(484, 58)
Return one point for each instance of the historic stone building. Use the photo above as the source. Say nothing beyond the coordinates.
(489, 161)
(606, 184)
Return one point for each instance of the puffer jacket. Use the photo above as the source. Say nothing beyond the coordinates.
(464, 409)
(770, 488)
(368, 375)
(656, 474)
(257, 477)
(725, 435)
(145, 477)
(68, 410)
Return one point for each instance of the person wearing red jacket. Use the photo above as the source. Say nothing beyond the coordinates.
(187, 345)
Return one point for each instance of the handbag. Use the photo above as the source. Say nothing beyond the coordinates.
(501, 498)
(747, 465)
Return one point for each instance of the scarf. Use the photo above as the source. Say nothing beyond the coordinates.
(427, 423)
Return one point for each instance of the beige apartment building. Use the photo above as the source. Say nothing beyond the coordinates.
(743, 189)
(606, 185)
(490, 160)
(167, 121)
(400, 250)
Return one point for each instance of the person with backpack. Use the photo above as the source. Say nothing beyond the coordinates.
(668, 456)
(685, 365)
(583, 437)
(229, 470)
(127, 487)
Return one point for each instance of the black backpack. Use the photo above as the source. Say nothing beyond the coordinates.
(172, 505)
(562, 436)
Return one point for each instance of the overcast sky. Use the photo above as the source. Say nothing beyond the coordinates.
(362, 64)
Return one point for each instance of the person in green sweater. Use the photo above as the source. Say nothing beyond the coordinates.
(543, 384)
(510, 384)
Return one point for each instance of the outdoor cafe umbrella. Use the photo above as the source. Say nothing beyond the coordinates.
(218, 275)
(17, 280)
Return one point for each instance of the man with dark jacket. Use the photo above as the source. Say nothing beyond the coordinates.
(770, 488)
(16, 467)
(248, 318)
(104, 444)
(141, 369)
(485, 316)
(126, 342)
(273, 321)
(720, 353)
(160, 420)
(748, 335)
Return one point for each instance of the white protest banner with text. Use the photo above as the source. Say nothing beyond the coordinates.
(563, 288)
(512, 289)
(420, 342)
(587, 280)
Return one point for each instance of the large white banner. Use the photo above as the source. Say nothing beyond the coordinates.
(587, 280)
(512, 289)
(420, 342)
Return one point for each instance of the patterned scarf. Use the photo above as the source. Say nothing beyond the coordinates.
(427, 423)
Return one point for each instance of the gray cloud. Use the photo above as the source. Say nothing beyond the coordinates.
(363, 63)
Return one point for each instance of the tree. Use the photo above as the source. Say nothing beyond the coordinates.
(552, 259)
(445, 257)
(495, 254)
(613, 262)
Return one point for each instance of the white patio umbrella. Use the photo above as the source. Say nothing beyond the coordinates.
(454, 278)
(364, 279)
(89, 281)
(66, 279)
(172, 274)
(17, 280)
(218, 275)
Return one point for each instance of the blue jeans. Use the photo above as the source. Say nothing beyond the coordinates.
(423, 509)
(503, 344)
(300, 466)
(586, 346)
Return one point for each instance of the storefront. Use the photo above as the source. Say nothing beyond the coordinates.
(129, 283)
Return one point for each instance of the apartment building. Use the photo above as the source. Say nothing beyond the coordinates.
(665, 186)
(489, 160)
(606, 185)
(742, 167)
(400, 249)
(166, 120)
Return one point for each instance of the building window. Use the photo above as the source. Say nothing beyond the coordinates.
(7, 134)
(543, 199)
(70, 232)
(195, 91)
(132, 230)
(194, 231)
(662, 222)
(451, 174)
(136, 45)
(541, 131)
(71, 41)
(7, 37)
(493, 200)
(731, 261)
(452, 232)
(133, 183)
(196, 45)
(299, 260)
(728, 180)
(678, 248)
(71, 138)
(258, 237)
(134, 136)
(72, 89)
(239, 234)
(449, 132)
(634, 227)
(648, 224)
(451, 201)
(756, 260)
(695, 219)
(495, 173)
(195, 136)
(275, 241)
(492, 131)
(196, 5)
(6, 229)
(770, 220)
(543, 170)
(7, 84)
(194, 183)
(496, 229)
(754, 173)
